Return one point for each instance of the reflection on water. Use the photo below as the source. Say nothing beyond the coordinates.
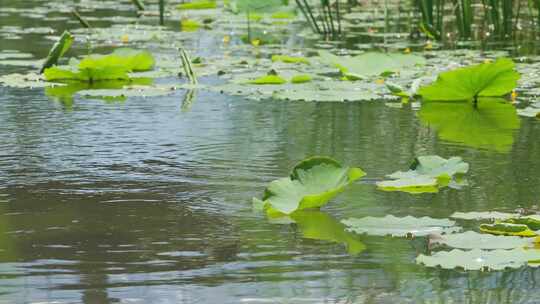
(148, 201)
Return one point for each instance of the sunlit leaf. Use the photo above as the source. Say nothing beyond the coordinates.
(475, 240)
(507, 229)
(312, 183)
(492, 79)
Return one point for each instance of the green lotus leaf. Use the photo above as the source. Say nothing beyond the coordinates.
(507, 229)
(312, 183)
(301, 78)
(197, 5)
(493, 79)
(489, 126)
(289, 59)
(400, 227)
(488, 215)
(115, 66)
(372, 64)
(478, 259)
(475, 240)
(268, 79)
(238, 6)
(426, 175)
(58, 50)
(321, 226)
(530, 221)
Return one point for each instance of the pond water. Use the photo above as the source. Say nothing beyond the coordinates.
(142, 202)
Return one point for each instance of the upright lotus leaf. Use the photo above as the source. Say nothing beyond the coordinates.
(321, 226)
(487, 215)
(115, 66)
(475, 240)
(426, 174)
(489, 126)
(312, 183)
(372, 63)
(507, 229)
(493, 79)
(400, 227)
(58, 50)
(478, 259)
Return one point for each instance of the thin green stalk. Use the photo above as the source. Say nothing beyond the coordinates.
(81, 20)
(188, 69)
(161, 12)
(310, 22)
(139, 4)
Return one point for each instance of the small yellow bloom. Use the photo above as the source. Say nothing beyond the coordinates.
(487, 60)
(513, 96)
(379, 81)
(428, 45)
(407, 51)
(124, 38)
(226, 39)
(255, 42)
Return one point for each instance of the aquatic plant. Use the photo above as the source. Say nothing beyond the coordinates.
(188, 68)
(197, 5)
(502, 228)
(312, 183)
(489, 79)
(138, 4)
(400, 227)
(93, 68)
(58, 50)
(324, 21)
(426, 175)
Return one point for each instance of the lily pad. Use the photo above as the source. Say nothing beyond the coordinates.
(530, 221)
(312, 183)
(197, 5)
(475, 240)
(491, 79)
(426, 174)
(30, 80)
(507, 229)
(290, 59)
(400, 227)
(301, 78)
(531, 111)
(478, 259)
(489, 126)
(372, 64)
(488, 215)
(268, 79)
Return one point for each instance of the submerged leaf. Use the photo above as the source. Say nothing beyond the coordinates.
(507, 229)
(491, 79)
(478, 259)
(426, 174)
(313, 182)
(400, 227)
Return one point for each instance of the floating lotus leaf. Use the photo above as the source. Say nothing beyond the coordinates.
(493, 79)
(313, 182)
(372, 64)
(488, 215)
(475, 240)
(507, 229)
(30, 80)
(128, 91)
(531, 111)
(426, 175)
(256, 5)
(321, 226)
(400, 227)
(478, 259)
(533, 222)
(197, 4)
(290, 59)
(490, 126)
(268, 79)
(301, 79)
